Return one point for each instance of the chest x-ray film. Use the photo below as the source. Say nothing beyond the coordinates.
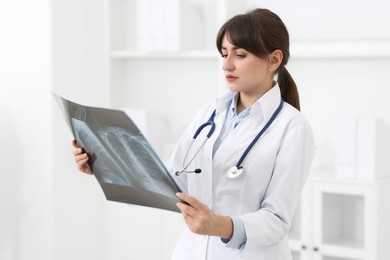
(124, 163)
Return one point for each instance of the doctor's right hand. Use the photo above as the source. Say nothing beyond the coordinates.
(81, 158)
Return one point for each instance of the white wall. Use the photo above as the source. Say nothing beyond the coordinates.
(77, 74)
(334, 88)
(332, 19)
(47, 209)
(26, 218)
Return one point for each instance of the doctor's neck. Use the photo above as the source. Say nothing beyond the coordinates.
(248, 98)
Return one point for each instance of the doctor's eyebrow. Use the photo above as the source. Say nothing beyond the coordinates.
(234, 48)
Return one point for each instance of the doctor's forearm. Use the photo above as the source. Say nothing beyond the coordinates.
(202, 220)
(223, 227)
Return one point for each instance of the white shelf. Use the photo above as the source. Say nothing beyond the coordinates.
(341, 49)
(331, 177)
(342, 251)
(329, 49)
(165, 55)
(346, 243)
(338, 258)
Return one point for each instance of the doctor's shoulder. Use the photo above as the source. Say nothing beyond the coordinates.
(295, 120)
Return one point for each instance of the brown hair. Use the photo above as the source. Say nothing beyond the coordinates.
(261, 32)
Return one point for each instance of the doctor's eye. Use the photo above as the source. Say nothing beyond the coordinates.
(224, 56)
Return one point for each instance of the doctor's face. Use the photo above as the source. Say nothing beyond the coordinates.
(244, 71)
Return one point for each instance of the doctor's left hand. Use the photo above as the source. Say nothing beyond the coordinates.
(201, 220)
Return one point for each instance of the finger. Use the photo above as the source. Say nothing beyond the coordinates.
(74, 143)
(182, 212)
(195, 222)
(84, 167)
(81, 163)
(78, 151)
(80, 157)
(190, 200)
(187, 210)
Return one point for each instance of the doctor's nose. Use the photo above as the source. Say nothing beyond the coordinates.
(227, 65)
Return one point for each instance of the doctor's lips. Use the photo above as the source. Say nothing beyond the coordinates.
(231, 78)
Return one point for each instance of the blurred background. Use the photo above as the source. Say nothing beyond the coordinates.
(159, 57)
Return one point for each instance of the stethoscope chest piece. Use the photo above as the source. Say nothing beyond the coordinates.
(234, 172)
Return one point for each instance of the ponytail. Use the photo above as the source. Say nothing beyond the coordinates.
(288, 88)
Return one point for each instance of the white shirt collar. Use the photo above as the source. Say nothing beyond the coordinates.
(265, 105)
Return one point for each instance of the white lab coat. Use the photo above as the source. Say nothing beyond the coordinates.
(264, 196)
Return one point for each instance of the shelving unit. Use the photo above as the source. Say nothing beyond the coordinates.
(154, 57)
(346, 220)
(338, 222)
(157, 51)
(341, 49)
(336, 219)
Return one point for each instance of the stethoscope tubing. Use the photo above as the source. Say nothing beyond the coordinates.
(210, 122)
(185, 166)
(237, 169)
(274, 115)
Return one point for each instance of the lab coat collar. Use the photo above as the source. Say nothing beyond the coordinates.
(265, 105)
(268, 103)
(233, 108)
(223, 101)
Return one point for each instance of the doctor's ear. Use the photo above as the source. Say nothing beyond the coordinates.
(275, 58)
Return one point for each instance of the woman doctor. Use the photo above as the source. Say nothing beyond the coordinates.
(243, 174)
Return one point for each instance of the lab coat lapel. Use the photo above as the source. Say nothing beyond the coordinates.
(238, 140)
(201, 184)
(208, 161)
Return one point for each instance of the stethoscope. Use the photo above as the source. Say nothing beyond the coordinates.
(236, 170)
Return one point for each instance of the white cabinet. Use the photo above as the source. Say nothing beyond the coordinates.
(342, 220)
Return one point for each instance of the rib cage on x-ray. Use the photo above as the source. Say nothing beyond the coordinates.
(123, 161)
